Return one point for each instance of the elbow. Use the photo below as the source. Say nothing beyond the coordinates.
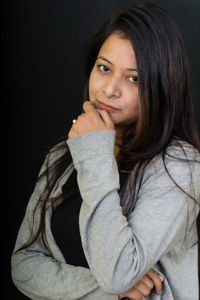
(16, 280)
(18, 270)
(14, 269)
(15, 273)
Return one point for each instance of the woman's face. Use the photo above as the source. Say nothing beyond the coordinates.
(113, 83)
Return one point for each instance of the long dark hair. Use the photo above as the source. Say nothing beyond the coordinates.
(166, 108)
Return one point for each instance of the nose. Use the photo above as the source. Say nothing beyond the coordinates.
(112, 88)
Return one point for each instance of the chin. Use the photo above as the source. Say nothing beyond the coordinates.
(119, 123)
(124, 122)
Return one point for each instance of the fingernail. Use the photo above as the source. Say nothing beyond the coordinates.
(161, 278)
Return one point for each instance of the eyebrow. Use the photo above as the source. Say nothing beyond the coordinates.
(103, 58)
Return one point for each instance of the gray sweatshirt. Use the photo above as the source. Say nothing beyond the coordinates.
(160, 233)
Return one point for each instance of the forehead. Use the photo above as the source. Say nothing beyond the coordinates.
(118, 49)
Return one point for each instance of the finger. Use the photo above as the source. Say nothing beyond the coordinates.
(146, 280)
(157, 279)
(106, 118)
(88, 106)
(134, 294)
(72, 132)
(142, 288)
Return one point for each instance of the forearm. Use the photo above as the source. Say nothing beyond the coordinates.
(40, 277)
(119, 250)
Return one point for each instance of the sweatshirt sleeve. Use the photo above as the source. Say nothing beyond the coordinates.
(40, 275)
(120, 251)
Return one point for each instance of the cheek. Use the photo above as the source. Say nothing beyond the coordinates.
(95, 86)
(92, 84)
(132, 107)
(132, 103)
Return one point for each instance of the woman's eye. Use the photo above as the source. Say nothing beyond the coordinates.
(103, 68)
(133, 79)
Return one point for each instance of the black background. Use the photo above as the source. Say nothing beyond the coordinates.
(43, 88)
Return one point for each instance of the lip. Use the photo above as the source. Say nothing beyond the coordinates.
(106, 107)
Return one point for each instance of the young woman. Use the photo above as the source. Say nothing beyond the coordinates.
(114, 211)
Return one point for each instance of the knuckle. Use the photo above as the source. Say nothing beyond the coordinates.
(157, 282)
(147, 292)
(92, 113)
(152, 273)
(137, 295)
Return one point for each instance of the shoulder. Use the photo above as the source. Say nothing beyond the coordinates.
(178, 165)
(177, 156)
(54, 165)
(57, 151)
(183, 150)
(53, 155)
